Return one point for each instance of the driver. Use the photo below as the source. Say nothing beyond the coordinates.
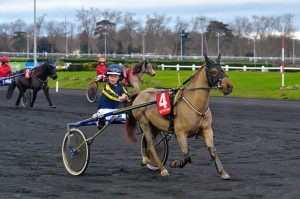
(101, 69)
(112, 94)
(5, 70)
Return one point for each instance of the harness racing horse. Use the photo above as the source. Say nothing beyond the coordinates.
(37, 82)
(193, 116)
(135, 75)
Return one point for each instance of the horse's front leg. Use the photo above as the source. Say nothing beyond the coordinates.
(182, 141)
(208, 136)
(151, 148)
(46, 92)
(34, 94)
(136, 87)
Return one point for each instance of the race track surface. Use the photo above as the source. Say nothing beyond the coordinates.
(258, 142)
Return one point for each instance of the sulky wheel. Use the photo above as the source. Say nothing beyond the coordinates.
(160, 143)
(91, 92)
(75, 152)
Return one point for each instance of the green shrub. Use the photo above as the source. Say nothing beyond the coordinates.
(87, 66)
(76, 67)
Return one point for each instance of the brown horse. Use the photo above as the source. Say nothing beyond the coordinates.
(136, 74)
(193, 116)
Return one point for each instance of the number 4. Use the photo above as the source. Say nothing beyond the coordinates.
(162, 101)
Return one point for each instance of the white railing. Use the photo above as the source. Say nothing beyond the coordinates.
(228, 68)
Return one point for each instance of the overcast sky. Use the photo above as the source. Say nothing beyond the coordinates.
(221, 10)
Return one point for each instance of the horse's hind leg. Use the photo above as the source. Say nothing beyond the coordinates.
(208, 136)
(148, 135)
(182, 141)
(19, 99)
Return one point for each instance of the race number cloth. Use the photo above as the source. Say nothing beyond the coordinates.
(163, 103)
(27, 73)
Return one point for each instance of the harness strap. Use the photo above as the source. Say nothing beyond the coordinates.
(199, 113)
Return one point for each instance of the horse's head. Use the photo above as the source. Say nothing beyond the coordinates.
(50, 69)
(149, 68)
(216, 76)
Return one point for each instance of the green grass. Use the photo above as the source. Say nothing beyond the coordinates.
(246, 84)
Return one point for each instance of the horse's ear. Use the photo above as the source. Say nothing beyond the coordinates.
(218, 58)
(207, 61)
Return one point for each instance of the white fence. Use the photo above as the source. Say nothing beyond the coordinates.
(227, 68)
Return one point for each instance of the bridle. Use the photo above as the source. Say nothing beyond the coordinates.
(214, 81)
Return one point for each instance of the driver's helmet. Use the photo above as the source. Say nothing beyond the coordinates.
(4, 59)
(115, 69)
(101, 59)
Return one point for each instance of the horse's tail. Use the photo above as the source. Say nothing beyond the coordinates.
(10, 90)
(130, 126)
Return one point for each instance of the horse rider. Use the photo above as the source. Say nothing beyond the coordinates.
(112, 94)
(5, 70)
(101, 69)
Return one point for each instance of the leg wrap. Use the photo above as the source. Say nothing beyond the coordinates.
(186, 159)
(214, 155)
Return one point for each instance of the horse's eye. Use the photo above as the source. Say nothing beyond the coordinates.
(214, 72)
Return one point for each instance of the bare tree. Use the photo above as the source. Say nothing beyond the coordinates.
(5, 39)
(88, 19)
(128, 32)
(39, 23)
(155, 28)
(241, 28)
(55, 32)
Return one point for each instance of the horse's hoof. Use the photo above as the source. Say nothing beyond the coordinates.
(224, 175)
(53, 106)
(164, 172)
(144, 162)
(175, 164)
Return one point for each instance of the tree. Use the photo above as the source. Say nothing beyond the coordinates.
(241, 28)
(225, 35)
(88, 19)
(155, 28)
(128, 32)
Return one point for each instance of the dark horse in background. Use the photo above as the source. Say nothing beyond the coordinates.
(37, 81)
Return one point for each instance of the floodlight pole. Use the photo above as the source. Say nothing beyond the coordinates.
(27, 37)
(105, 33)
(254, 51)
(143, 34)
(181, 35)
(293, 51)
(34, 37)
(66, 36)
(202, 21)
(218, 34)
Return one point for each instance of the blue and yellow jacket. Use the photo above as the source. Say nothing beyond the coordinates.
(110, 96)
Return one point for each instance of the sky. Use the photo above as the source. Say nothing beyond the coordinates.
(221, 10)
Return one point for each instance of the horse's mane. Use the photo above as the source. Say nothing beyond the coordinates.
(137, 68)
(194, 75)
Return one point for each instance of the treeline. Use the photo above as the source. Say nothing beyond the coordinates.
(112, 32)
